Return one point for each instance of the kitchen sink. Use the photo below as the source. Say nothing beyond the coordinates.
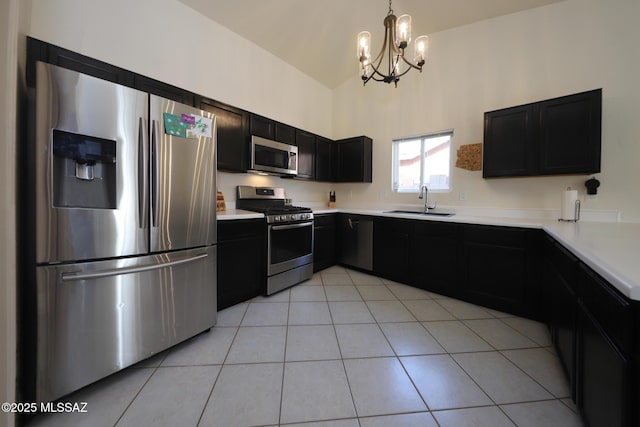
(422, 213)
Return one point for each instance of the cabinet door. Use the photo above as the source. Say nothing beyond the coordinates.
(232, 139)
(241, 261)
(509, 142)
(391, 248)
(285, 133)
(306, 143)
(352, 160)
(434, 256)
(324, 243)
(323, 159)
(562, 322)
(495, 267)
(570, 134)
(562, 303)
(262, 126)
(612, 310)
(604, 392)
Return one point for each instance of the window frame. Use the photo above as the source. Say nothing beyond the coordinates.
(395, 163)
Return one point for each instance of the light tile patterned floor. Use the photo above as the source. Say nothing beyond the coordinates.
(344, 349)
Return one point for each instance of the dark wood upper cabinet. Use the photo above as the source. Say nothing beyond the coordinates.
(306, 143)
(509, 142)
(41, 51)
(232, 130)
(285, 133)
(323, 159)
(262, 126)
(570, 132)
(553, 137)
(352, 160)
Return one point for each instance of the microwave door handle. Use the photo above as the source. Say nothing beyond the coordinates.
(292, 161)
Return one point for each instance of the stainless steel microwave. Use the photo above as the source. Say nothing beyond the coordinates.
(273, 157)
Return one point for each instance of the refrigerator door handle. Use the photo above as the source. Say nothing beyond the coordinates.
(155, 165)
(142, 174)
(80, 275)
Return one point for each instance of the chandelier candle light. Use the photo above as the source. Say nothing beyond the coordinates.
(397, 35)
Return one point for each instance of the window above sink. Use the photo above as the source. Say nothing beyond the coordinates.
(422, 160)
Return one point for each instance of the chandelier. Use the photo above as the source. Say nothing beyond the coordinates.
(397, 35)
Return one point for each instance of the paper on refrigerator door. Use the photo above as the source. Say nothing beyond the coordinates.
(187, 125)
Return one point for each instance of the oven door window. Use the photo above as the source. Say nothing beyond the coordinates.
(288, 242)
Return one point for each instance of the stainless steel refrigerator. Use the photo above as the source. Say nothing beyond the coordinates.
(125, 227)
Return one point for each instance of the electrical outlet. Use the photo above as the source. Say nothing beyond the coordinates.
(462, 195)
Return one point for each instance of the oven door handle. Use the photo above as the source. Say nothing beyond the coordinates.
(290, 226)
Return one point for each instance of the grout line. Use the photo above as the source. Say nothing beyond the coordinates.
(213, 386)
(155, 369)
(284, 359)
(344, 366)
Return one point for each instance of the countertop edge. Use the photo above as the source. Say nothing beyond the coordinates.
(593, 243)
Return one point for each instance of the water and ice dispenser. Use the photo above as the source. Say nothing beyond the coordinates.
(84, 171)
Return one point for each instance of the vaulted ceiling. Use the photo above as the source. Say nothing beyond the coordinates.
(319, 36)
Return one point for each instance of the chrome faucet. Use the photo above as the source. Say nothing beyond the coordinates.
(424, 194)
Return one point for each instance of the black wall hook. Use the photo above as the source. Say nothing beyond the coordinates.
(592, 186)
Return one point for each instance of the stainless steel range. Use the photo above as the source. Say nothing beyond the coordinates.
(289, 235)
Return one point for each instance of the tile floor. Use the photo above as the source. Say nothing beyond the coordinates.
(344, 349)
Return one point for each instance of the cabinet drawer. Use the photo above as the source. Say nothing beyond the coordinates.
(499, 236)
(324, 220)
(609, 308)
(436, 229)
(240, 228)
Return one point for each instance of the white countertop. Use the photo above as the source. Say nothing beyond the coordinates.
(612, 249)
(231, 214)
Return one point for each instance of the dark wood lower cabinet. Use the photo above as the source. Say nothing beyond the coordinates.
(391, 248)
(499, 268)
(241, 261)
(324, 241)
(434, 256)
(595, 332)
(562, 321)
(604, 377)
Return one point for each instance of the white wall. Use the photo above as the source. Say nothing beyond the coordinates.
(564, 48)
(166, 40)
(9, 30)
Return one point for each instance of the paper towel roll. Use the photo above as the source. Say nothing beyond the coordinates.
(568, 210)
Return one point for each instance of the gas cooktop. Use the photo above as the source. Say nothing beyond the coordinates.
(272, 202)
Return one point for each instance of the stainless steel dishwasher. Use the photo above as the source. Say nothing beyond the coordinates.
(356, 249)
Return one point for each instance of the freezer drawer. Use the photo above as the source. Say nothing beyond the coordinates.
(99, 317)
